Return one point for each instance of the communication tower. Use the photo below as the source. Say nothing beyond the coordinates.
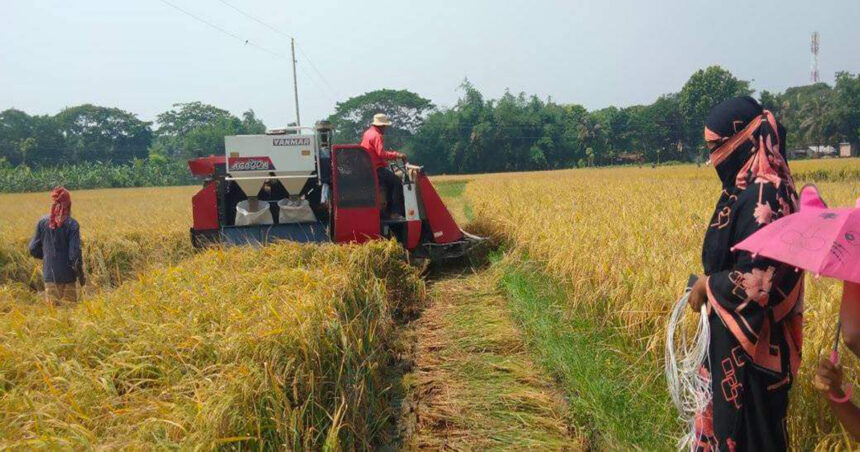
(816, 43)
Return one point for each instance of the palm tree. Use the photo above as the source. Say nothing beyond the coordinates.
(590, 133)
(815, 114)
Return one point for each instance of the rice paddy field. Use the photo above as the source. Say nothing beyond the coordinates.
(289, 346)
(614, 248)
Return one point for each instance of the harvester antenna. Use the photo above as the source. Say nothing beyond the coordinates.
(814, 46)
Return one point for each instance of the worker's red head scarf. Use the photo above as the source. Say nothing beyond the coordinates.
(61, 208)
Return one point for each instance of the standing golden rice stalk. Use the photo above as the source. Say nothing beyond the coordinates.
(283, 347)
(623, 242)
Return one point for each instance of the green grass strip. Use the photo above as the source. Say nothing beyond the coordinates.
(617, 398)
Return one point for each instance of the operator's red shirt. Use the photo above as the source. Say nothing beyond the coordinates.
(373, 141)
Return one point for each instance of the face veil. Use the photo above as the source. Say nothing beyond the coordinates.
(750, 143)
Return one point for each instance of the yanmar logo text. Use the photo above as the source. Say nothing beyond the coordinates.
(251, 164)
(294, 141)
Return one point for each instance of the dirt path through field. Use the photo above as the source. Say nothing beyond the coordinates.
(473, 386)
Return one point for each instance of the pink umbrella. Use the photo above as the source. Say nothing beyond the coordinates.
(823, 241)
(818, 239)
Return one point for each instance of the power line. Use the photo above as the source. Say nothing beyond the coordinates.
(256, 20)
(226, 32)
(259, 47)
(320, 88)
(286, 35)
(314, 67)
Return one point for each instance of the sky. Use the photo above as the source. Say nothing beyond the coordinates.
(145, 55)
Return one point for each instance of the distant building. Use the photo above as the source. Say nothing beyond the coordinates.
(822, 151)
(798, 153)
(845, 150)
(630, 157)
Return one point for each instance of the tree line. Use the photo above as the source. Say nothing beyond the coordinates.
(90, 133)
(520, 132)
(512, 133)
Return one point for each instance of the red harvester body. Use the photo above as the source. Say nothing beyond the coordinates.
(299, 187)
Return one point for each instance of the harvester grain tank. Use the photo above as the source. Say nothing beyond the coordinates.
(294, 184)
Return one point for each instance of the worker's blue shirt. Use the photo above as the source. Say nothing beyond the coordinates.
(59, 249)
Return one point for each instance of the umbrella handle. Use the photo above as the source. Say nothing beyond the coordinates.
(834, 352)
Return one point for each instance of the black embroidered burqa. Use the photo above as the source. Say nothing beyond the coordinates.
(754, 303)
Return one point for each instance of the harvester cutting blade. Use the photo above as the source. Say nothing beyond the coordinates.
(469, 246)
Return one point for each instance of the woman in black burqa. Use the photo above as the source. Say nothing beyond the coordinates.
(754, 304)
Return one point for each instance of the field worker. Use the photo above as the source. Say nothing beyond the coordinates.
(828, 376)
(374, 141)
(752, 302)
(57, 242)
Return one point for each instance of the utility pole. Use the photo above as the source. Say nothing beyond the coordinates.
(295, 82)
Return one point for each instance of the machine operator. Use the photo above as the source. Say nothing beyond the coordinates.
(373, 140)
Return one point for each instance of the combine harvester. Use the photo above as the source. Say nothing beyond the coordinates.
(292, 184)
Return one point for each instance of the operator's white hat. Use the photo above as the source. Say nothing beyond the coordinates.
(381, 119)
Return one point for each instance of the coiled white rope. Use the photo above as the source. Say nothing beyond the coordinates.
(690, 390)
